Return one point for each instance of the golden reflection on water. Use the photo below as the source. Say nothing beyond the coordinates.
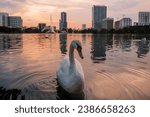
(112, 66)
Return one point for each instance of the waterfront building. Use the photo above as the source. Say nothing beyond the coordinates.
(117, 24)
(41, 26)
(135, 24)
(125, 22)
(108, 23)
(83, 26)
(99, 13)
(63, 21)
(144, 18)
(15, 22)
(4, 19)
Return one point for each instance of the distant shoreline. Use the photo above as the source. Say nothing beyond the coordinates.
(129, 30)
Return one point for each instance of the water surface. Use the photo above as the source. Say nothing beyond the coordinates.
(115, 66)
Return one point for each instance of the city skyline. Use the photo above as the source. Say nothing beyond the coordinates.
(79, 11)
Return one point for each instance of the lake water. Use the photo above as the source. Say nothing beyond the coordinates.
(115, 66)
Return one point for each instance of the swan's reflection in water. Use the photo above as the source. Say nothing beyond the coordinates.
(64, 95)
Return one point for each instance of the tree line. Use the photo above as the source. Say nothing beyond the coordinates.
(131, 29)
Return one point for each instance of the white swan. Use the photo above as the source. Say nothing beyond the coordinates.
(69, 73)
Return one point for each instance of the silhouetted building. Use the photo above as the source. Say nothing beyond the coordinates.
(4, 19)
(15, 22)
(63, 21)
(99, 13)
(108, 23)
(41, 26)
(144, 18)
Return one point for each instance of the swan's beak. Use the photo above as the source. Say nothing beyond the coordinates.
(80, 52)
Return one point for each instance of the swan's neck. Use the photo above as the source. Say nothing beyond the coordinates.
(71, 55)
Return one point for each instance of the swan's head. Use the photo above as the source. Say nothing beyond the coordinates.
(77, 45)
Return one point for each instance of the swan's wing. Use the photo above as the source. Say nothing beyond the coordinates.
(62, 71)
(79, 69)
(77, 75)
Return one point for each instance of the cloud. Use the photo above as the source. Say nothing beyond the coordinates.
(78, 11)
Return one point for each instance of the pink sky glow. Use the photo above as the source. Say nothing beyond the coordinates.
(78, 11)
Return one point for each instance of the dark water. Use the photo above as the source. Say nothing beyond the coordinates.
(115, 66)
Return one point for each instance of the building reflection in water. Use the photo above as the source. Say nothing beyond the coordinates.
(11, 42)
(126, 42)
(109, 41)
(84, 39)
(98, 50)
(63, 43)
(143, 48)
(123, 41)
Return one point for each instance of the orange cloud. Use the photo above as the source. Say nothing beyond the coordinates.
(78, 11)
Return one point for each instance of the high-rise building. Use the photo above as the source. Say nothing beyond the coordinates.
(144, 18)
(108, 23)
(99, 13)
(15, 22)
(4, 19)
(125, 22)
(63, 21)
(41, 26)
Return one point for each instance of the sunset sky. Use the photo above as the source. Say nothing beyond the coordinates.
(78, 11)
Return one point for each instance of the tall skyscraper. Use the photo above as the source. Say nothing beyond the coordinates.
(144, 18)
(4, 19)
(63, 21)
(99, 13)
(15, 21)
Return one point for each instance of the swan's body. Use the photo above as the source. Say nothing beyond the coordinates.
(69, 73)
